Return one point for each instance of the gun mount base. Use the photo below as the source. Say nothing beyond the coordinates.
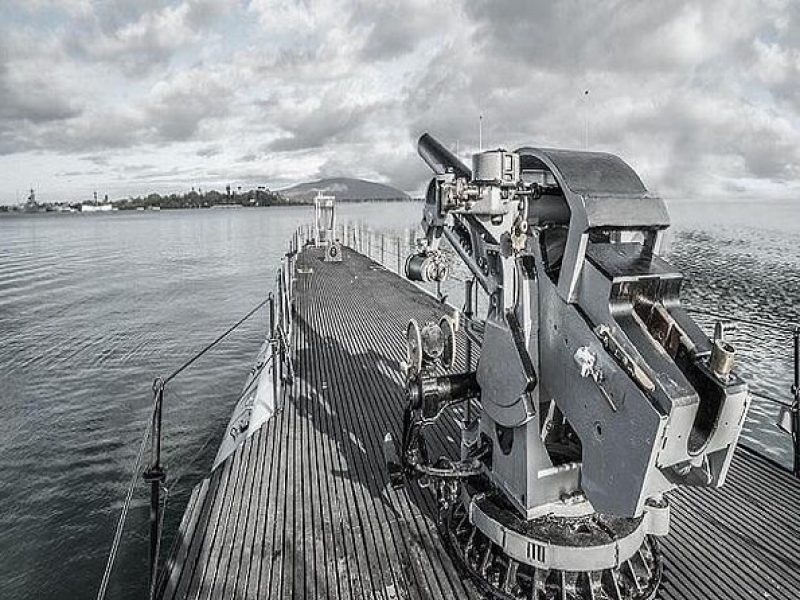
(586, 557)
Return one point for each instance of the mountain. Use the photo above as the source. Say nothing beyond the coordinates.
(344, 188)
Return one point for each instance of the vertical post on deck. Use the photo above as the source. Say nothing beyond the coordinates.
(281, 329)
(155, 475)
(399, 253)
(383, 241)
(468, 287)
(273, 341)
(796, 402)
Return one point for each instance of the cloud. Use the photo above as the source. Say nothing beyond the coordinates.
(209, 151)
(173, 110)
(396, 29)
(668, 90)
(27, 92)
(150, 36)
(308, 122)
(698, 97)
(177, 107)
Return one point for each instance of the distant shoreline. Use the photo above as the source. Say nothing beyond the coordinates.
(8, 211)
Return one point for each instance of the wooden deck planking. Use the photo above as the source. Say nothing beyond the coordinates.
(391, 579)
(303, 508)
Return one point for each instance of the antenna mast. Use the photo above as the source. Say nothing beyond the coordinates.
(586, 120)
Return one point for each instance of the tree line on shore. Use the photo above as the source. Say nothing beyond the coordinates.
(207, 199)
(260, 196)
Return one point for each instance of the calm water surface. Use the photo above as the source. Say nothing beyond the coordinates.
(93, 307)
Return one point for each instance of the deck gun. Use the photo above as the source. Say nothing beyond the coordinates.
(596, 393)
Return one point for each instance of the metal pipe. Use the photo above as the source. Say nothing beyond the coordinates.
(471, 264)
(468, 286)
(439, 158)
(796, 403)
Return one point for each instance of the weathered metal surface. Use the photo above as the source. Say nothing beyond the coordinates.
(304, 507)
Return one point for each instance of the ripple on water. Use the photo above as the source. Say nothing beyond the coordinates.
(92, 309)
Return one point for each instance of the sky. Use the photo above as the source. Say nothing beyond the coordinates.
(127, 97)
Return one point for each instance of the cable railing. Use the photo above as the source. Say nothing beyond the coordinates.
(281, 331)
(281, 322)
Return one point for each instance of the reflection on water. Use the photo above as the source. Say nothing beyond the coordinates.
(92, 307)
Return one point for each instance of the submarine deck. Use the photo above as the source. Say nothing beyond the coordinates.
(303, 508)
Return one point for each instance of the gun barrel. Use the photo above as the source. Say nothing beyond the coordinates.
(439, 158)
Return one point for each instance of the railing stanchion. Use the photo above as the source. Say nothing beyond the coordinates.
(796, 402)
(399, 253)
(273, 340)
(383, 244)
(155, 475)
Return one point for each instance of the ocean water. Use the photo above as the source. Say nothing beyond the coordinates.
(94, 307)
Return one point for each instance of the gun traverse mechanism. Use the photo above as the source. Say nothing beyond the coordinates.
(597, 393)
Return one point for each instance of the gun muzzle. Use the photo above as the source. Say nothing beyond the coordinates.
(439, 158)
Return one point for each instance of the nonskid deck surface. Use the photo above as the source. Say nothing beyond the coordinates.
(303, 509)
